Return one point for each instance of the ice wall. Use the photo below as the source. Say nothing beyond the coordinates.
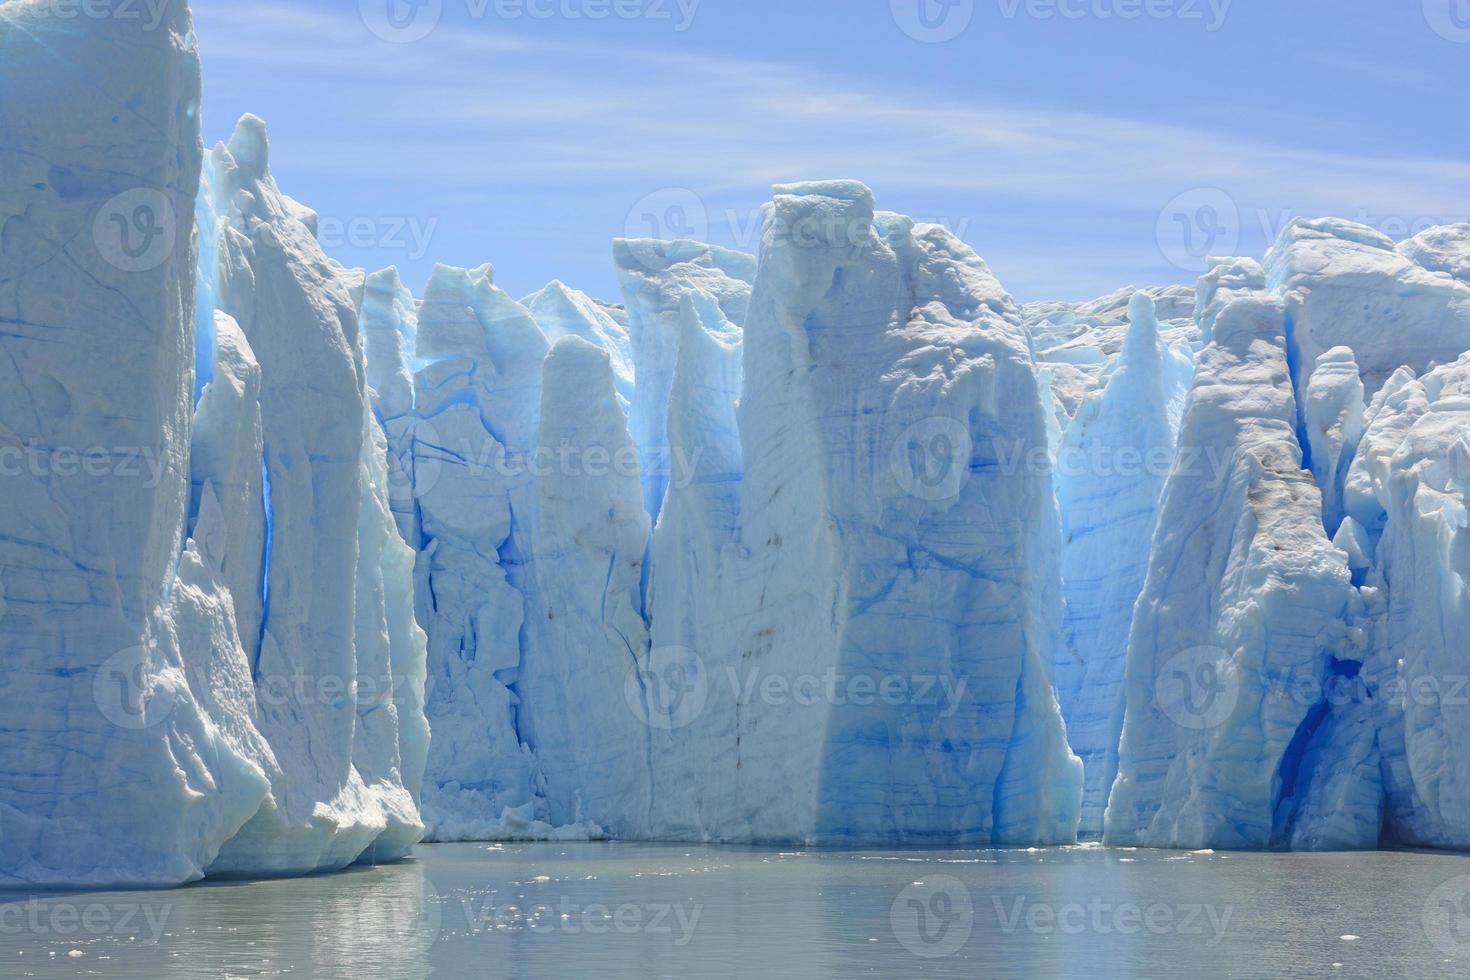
(477, 396)
(696, 564)
(217, 579)
(561, 311)
(390, 334)
(1246, 601)
(1346, 285)
(838, 545)
(589, 633)
(338, 688)
(1110, 472)
(639, 568)
(655, 278)
(107, 763)
(887, 379)
(1304, 697)
(1406, 530)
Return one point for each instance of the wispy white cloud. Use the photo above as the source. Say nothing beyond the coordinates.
(474, 108)
(565, 109)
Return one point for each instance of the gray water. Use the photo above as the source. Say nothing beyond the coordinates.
(627, 910)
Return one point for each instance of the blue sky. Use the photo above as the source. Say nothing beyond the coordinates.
(1078, 145)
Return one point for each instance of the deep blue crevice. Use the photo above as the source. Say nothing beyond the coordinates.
(997, 798)
(516, 574)
(1294, 368)
(204, 298)
(266, 548)
(1339, 481)
(1295, 772)
(644, 580)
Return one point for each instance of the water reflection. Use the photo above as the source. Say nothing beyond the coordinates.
(559, 910)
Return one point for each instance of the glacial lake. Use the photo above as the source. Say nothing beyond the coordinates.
(632, 910)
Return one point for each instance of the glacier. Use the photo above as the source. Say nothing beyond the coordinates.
(211, 666)
(833, 544)
(1111, 467)
(1262, 605)
(617, 570)
(1282, 692)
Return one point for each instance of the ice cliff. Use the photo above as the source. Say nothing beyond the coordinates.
(730, 572)
(887, 544)
(210, 664)
(834, 544)
(1290, 681)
